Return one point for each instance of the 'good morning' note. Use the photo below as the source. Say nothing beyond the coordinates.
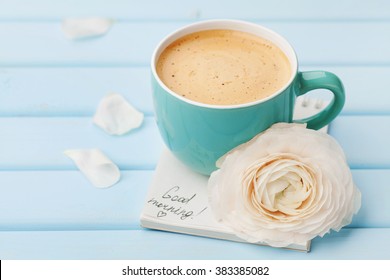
(177, 200)
(175, 204)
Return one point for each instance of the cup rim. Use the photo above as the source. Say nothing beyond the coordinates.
(206, 23)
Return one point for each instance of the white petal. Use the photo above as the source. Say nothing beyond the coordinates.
(116, 116)
(78, 28)
(97, 167)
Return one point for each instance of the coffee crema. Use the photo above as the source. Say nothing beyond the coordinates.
(223, 67)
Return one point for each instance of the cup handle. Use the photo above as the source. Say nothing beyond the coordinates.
(311, 80)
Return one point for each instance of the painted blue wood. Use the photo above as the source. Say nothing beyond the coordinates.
(146, 244)
(375, 190)
(38, 143)
(365, 89)
(70, 91)
(77, 91)
(124, 44)
(65, 200)
(365, 140)
(171, 9)
(131, 43)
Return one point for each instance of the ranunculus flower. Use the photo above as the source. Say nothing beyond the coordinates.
(287, 185)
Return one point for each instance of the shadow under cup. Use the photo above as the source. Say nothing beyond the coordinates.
(199, 134)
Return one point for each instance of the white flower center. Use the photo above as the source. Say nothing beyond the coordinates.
(290, 193)
(279, 187)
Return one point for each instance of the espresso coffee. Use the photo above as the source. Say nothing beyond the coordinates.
(223, 67)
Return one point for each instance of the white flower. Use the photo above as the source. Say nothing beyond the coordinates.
(287, 185)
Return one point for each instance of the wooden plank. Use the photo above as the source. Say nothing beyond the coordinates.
(131, 43)
(77, 91)
(365, 89)
(65, 200)
(169, 9)
(38, 143)
(125, 44)
(70, 91)
(365, 140)
(142, 244)
(374, 186)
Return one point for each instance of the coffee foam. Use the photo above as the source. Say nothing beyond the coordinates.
(223, 67)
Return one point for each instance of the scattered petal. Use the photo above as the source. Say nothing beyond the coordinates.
(78, 28)
(116, 116)
(96, 166)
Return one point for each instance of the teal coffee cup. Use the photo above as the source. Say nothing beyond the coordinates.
(199, 134)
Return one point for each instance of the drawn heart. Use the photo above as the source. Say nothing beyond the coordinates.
(161, 214)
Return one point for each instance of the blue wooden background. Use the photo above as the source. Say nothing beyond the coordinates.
(50, 87)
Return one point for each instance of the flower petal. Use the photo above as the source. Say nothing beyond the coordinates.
(78, 28)
(95, 166)
(116, 116)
